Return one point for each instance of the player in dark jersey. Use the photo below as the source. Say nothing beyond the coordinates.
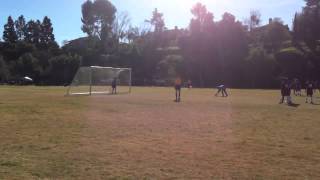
(297, 87)
(283, 91)
(309, 90)
(114, 86)
(223, 90)
(287, 93)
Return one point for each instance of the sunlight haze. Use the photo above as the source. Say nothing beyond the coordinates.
(176, 12)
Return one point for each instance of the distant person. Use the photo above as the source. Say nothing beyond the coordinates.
(114, 86)
(287, 93)
(309, 90)
(297, 87)
(283, 91)
(177, 86)
(223, 90)
(189, 84)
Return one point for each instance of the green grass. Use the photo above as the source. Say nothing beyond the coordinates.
(145, 135)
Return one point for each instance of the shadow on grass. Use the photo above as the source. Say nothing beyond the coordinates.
(294, 105)
(316, 104)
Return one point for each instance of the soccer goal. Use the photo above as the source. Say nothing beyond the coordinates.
(98, 80)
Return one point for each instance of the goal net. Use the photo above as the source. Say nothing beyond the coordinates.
(98, 80)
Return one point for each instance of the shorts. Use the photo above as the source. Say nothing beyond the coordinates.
(178, 87)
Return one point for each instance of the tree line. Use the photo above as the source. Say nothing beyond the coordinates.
(29, 49)
(242, 54)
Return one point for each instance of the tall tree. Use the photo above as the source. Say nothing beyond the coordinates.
(33, 31)
(9, 33)
(46, 34)
(157, 21)
(203, 20)
(254, 20)
(295, 28)
(307, 24)
(233, 48)
(121, 26)
(276, 34)
(198, 47)
(20, 25)
(98, 18)
(88, 19)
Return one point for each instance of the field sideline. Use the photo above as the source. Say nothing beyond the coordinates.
(145, 135)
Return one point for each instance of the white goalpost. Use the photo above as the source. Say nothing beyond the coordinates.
(98, 80)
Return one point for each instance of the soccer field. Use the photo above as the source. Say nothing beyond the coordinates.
(146, 135)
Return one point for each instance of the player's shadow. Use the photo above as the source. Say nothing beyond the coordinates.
(294, 105)
(316, 104)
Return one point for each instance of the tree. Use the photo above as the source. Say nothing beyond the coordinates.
(202, 21)
(307, 26)
(98, 18)
(63, 68)
(276, 34)
(254, 20)
(88, 19)
(9, 33)
(199, 46)
(46, 34)
(20, 25)
(232, 49)
(292, 62)
(170, 67)
(313, 3)
(121, 27)
(260, 69)
(157, 21)
(4, 73)
(27, 65)
(296, 29)
(33, 31)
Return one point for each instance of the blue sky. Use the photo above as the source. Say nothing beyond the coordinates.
(66, 14)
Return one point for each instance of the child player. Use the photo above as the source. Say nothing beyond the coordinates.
(177, 86)
(309, 90)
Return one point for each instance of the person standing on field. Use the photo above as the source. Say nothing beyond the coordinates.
(309, 90)
(287, 93)
(283, 92)
(189, 84)
(177, 86)
(114, 86)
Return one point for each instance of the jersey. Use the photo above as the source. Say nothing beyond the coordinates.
(178, 82)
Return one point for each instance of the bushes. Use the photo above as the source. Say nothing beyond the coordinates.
(292, 62)
(4, 73)
(62, 69)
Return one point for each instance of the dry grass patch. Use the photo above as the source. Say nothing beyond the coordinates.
(147, 135)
